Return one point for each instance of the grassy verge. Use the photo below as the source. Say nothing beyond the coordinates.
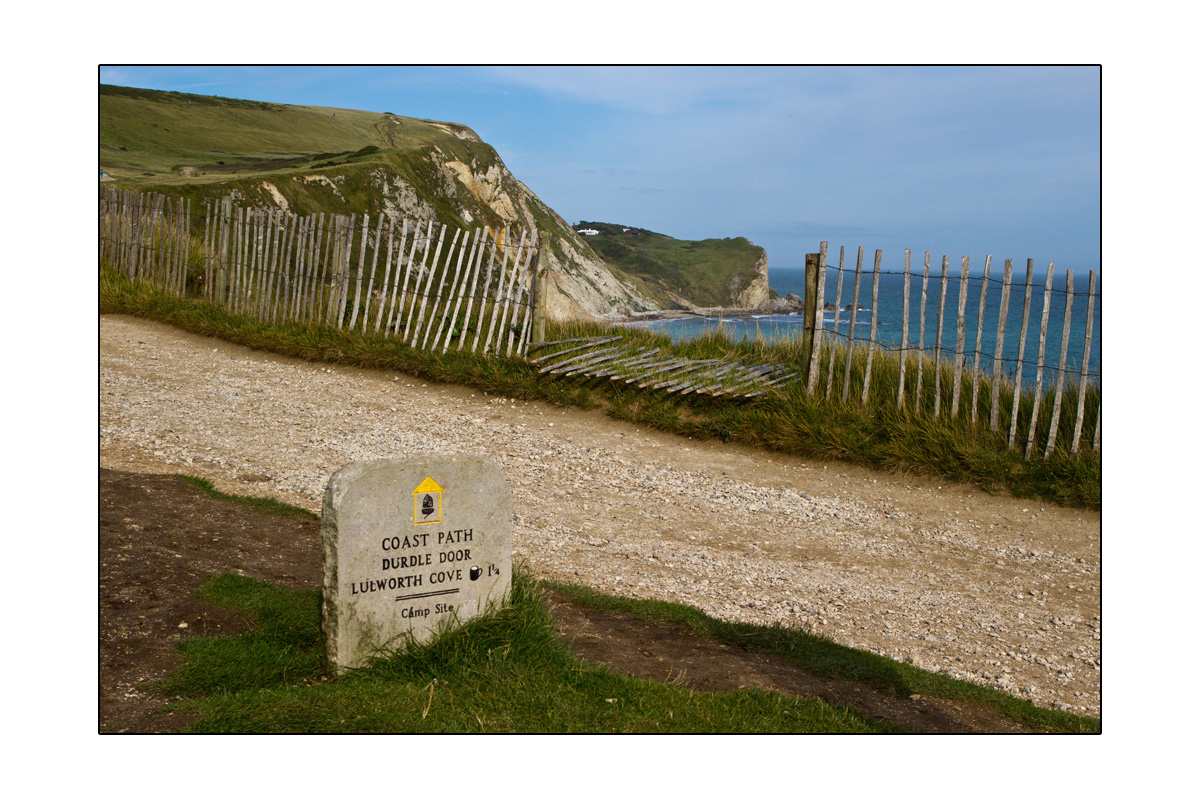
(509, 672)
(826, 658)
(258, 503)
(875, 435)
(503, 673)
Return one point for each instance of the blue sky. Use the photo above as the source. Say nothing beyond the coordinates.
(961, 161)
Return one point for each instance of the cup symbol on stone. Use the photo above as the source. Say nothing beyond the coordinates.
(475, 573)
(427, 506)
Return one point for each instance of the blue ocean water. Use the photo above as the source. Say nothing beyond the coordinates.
(891, 314)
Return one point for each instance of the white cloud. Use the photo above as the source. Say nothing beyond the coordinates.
(656, 90)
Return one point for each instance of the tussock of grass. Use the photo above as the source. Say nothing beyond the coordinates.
(876, 435)
(284, 647)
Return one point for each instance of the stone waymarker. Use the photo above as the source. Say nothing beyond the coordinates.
(411, 546)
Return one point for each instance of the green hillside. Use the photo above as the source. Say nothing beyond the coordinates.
(709, 273)
(318, 159)
(310, 159)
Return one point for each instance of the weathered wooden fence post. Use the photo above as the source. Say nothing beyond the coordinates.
(541, 282)
(1041, 362)
(853, 320)
(997, 360)
(874, 324)
(1018, 390)
(1087, 351)
(904, 329)
(223, 251)
(812, 269)
(813, 362)
(837, 311)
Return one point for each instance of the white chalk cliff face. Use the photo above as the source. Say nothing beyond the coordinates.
(758, 293)
(579, 284)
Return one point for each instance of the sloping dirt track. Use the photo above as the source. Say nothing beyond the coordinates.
(993, 589)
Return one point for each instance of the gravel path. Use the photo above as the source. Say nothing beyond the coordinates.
(996, 590)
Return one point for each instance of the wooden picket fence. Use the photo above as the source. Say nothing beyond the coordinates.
(1024, 402)
(433, 286)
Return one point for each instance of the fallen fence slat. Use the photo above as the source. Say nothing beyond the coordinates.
(676, 378)
(560, 366)
(704, 384)
(591, 342)
(662, 366)
(744, 380)
(683, 380)
(532, 345)
(771, 384)
(640, 356)
(600, 357)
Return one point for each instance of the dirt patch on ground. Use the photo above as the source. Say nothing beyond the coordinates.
(161, 538)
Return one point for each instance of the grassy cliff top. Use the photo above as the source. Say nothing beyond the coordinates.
(170, 137)
(709, 272)
(315, 158)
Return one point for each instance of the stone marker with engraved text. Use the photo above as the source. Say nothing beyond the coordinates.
(411, 547)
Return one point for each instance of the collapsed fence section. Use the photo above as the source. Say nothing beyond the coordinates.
(427, 284)
(1037, 403)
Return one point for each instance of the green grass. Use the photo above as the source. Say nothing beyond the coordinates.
(258, 503)
(161, 132)
(826, 658)
(508, 672)
(875, 435)
(333, 160)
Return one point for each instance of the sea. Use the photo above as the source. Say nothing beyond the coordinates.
(888, 333)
